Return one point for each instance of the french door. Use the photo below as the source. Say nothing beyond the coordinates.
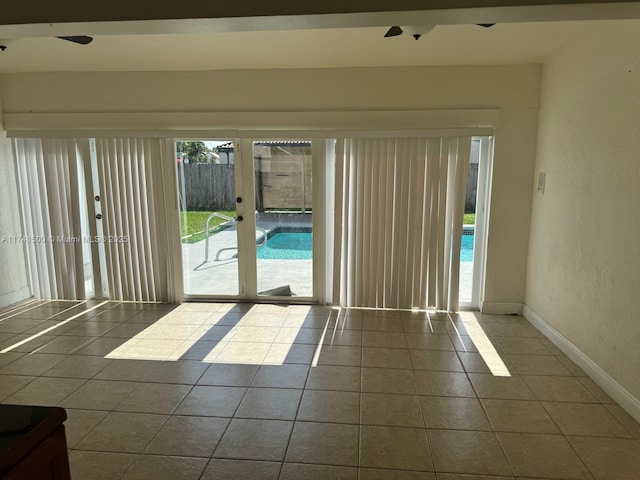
(247, 213)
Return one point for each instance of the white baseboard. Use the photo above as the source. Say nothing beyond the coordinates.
(616, 391)
(495, 308)
(14, 297)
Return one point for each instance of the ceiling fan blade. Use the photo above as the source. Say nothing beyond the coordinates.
(393, 32)
(485, 25)
(80, 39)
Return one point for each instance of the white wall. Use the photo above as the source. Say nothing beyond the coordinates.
(137, 99)
(13, 276)
(583, 275)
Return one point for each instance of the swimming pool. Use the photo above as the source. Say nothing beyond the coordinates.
(298, 246)
(466, 248)
(287, 246)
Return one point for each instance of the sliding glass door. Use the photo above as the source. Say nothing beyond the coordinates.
(246, 219)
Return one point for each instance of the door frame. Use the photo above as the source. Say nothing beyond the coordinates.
(245, 188)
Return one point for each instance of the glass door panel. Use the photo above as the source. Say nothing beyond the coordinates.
(207, 196)
(283, 213)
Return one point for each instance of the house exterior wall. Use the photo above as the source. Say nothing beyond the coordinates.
(129, 99)
(583, 274)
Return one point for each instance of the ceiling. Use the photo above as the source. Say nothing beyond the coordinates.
(503, 44)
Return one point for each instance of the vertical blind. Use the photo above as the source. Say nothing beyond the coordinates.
(137, 216)
(132, 173)
(398, 221)
(48, 176)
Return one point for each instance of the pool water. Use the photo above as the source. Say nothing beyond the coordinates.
(298, 246)
(287, 246)
(466, 248)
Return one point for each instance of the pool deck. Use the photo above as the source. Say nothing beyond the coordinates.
(220, 277)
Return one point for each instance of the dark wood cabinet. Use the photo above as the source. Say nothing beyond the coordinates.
(32, 443)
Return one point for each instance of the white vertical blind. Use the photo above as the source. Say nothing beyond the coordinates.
(134, 175)
(48, 179)
(399, 208)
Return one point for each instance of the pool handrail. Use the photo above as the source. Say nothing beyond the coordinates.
(228, 219)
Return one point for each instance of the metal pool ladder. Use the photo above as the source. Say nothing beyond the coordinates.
(228, 219)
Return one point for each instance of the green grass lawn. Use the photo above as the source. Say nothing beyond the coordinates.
(469, 219)
(192, 224)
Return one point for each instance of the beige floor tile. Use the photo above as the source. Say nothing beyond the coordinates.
(586, 419)
(378, 474)
(79, 366)
(519, 416)
(212, 333)
(99, 465)
(596, 390)
(211, 401)
(329, 377)
(298, 335)
(454, 413)
(255, 440)
(381, 324)
(351, 338)
(388, 380)
(457, 451)
(123, 433)
(329, 406)
(323, 443)
(10, 384)
(243, 352)
(188, 436)
(477, 363)
(340, 355)
(511, 388)
(281, 376)
(99, 395)
(254, 334)
(220, 469)
(546, 456)
(127, 370)
(435, 360)
(571, 366)
(559, 389)
(181, 372)
(7, 358)
(386, 357)
(270, 403)
(538, 365)
(450, 384)
(522, 346)
(456, 476)
(625, 419)
(79, 423)
(423, 325)
(102, 346)
(230, 375)
(160, 398)
(34, 364)
(126, 330)
(523, 329)
(394, 448)
(429, 341)
(463, 343)
(298, 320)
(609, 458)
(391, 410)
(384, 339)
(152, 467)
(286, 353)
(45, 391)
(296, 471)
(66, 344)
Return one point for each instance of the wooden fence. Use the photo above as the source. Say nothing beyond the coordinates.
(212, 187)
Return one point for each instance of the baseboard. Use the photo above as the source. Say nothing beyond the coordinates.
(14, 297)
(616, 391)
(495, 308)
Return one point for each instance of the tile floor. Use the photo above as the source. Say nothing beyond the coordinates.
(224, 391)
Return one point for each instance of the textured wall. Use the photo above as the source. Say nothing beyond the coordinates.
(584, 256)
